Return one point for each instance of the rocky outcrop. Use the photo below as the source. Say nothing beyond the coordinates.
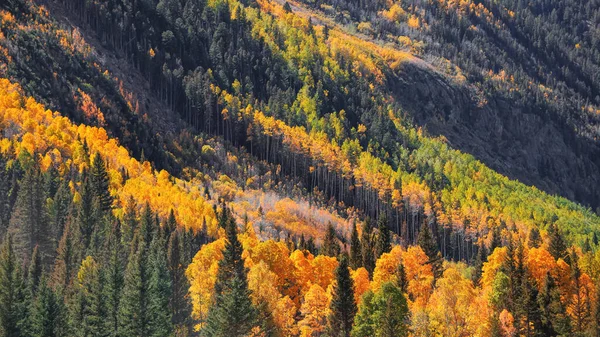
(506, 136)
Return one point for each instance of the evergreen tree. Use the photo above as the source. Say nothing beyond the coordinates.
(355, 248)
(100, 182)
(11, 292)
(68, 257)
(330, 243)
(113, 279)
(88, 310)
(130, 222)
(133, 310)
(478, 264)
(528, 307)
(343, 307)
(87, 211)
(179, 304)
(34, 273)
(58, 210)
(159, 292)
(535, 238)
(232, 313)
(554, 320)
(147, 228)
(496, 240)
(384, 314)
(47, 317)
(28, 219)
(557, 245)
(4, 194)
(367, 247)
(384, 243)
(51, 181)
(426, 241)
(401, 279)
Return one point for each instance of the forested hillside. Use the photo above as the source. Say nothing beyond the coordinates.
(236, 168)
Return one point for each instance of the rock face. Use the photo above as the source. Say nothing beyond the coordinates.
(507, 137)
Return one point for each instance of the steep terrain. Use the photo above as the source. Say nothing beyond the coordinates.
(508, 97)
(264, 168)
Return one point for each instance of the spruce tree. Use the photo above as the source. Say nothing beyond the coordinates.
(100, 182)
(133, 310)
(58, 210)
(343, 308)
(426, 241)
(355, 248)
(34, 273)
(382, 314)
(68, 256)
(159, 291)
(554, 320)
(147, 229)
(557, 245)
(28, 219)
(88, 212)
(88, 310)
(401, 278)
(232, 313)
(113, 279)
(179, 303)
(384, 243)
(130, 223)
(4, 194)
(47, 316)
(12, 300)
(330, 243)
(367, 247)
(535, 238)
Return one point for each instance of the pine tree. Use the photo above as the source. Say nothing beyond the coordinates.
(557, 245)
(147, 228)
(535, 238)
(47, 317)
(401, 279)
(426, 241)
(12, 301)
(32, 282)
(478, 264)
(159, 292)
(553, 317)
(232, 314)
(133, 310)
(68, 257)
(496, 241)
(58, 210)
(28, 219)
(100, 183)
(113, 279)
(34, 273)
(383, 244)
(330, 243)
(527, 306)
(4, 194)
(179, 304)
(343, 307)
(367, 247)
(355, 248)
(382, 314)
(130, 222)
(88, 213)
(88, 310)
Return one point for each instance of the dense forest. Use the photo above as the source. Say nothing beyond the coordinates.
(241, 168)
